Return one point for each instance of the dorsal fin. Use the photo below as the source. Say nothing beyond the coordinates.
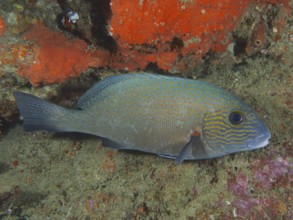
(92, 94)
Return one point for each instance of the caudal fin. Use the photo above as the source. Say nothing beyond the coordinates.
(39, 114)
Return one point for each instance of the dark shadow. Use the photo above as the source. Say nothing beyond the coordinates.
(76, 136)
(19, 200)
(4, 167)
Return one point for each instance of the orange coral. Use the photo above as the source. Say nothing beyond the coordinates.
(57, 57)
(2, 26)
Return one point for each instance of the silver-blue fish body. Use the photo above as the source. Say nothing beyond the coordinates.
(172, 117)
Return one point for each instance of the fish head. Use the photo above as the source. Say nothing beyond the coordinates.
(233, 127)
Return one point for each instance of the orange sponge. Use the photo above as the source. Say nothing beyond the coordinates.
(2, 26)
(174, 34)
(197, 26)
(58, 58)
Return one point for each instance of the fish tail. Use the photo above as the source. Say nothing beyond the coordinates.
(39, 114)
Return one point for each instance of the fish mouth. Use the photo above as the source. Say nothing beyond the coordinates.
(259, 141)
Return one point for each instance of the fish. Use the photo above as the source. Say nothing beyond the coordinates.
(172, 117)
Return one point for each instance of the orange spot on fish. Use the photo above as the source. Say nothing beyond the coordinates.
(2, 26)
(196, 134)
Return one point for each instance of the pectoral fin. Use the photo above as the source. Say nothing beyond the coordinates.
(187, 150)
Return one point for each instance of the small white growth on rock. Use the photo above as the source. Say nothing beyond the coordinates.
(234, 213)
(73, 16)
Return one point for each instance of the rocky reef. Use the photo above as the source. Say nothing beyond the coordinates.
(57, 49)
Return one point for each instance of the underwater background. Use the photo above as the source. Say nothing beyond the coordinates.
(57, 50)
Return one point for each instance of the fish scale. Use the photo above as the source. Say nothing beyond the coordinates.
(172, 117)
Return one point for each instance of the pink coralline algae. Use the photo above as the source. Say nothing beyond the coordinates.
(271, 171)
(239, 186)
(250, 191)
(245, 205)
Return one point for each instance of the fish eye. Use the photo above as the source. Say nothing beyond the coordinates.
(236, 117)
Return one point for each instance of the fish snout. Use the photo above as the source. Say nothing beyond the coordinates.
(261, 139)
